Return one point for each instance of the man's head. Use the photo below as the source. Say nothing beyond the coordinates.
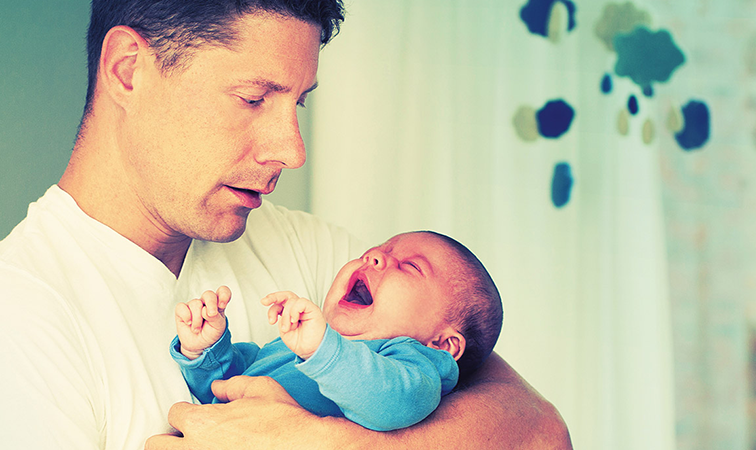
(192, 112)
(423, 285)
(174, 28)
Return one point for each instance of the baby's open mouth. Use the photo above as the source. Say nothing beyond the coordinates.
(359, 294)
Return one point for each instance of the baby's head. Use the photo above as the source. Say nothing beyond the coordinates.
(423, 285)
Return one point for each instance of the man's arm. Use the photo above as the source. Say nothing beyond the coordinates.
(496, 408)
(50, 397)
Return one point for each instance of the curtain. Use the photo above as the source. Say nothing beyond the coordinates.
(424, 119)
(709, 214)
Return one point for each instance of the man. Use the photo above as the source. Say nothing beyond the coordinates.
(190, 118)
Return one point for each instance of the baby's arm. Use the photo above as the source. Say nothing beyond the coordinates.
(203, 348)
(202, 321)
(381, 388)
(302, 323)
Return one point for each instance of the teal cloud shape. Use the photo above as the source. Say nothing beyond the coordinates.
(647, 57)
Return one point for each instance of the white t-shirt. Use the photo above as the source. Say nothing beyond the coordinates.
(87, 317)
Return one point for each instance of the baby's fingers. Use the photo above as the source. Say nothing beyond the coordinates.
(210, 299)
(183, 315)
(277, 297)
(293, 310)
(273, 312)
(224, 296)
(195, 308)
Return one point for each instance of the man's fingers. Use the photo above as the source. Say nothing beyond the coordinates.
(242, 386)
(177, 417)
(165, 442)
(180, 414)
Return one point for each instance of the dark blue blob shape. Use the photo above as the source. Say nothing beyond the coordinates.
(648, 91)
(554, 118)
(606, 84)
(561, 185)
(696, 130)
(632, 105)
(535, 14)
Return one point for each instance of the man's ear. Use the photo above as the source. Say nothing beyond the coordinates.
(120, 61)
(450, 340)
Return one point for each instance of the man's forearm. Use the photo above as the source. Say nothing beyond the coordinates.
(494, 409)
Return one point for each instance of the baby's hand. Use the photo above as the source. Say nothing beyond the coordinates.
(302, 323)
(202, 321)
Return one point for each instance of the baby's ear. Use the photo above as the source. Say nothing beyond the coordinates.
(450, 340)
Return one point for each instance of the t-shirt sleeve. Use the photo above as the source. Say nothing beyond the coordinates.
(395, 387)
(48, 391)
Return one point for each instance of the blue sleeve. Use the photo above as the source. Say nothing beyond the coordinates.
(220, 361)
(395, 386)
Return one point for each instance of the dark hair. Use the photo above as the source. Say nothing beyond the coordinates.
(476, 310)
(174, 27)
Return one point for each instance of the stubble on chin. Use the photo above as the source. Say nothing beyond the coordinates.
(221, 230)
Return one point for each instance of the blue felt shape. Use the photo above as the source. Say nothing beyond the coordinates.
(561, 185)
(646, 57)
(554, 118)
(606, 84)
(535, 14)
(632, 105)
(696, 127)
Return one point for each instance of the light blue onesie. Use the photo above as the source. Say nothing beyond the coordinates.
(383, 384)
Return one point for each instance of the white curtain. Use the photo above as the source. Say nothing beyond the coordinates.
(413, 129)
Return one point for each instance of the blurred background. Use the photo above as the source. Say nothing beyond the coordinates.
(598, 157)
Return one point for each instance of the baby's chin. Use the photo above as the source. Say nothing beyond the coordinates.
(347, 331)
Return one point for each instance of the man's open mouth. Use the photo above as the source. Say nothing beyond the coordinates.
(246, 191)
(359, 295)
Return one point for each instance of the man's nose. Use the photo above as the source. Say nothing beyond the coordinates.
(281, 143)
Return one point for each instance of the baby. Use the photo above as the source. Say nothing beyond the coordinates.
(399, 326)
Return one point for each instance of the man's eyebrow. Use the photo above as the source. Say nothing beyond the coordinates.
(276, 87)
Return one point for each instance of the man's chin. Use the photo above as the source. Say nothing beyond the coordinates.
(223, 232)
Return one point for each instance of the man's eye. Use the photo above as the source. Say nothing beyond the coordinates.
(254, 102)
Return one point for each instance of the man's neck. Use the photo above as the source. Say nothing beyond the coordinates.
(98, 188)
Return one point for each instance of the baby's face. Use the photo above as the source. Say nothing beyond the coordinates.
(399, 288)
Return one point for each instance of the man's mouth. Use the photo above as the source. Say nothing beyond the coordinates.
(249, 198)
(359, 295)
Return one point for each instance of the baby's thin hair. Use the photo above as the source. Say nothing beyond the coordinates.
(476, 309)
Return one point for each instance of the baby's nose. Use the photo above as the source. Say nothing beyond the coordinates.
(375, 259)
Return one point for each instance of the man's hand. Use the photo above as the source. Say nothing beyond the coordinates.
(202, 321)
(260, 415)
(495, 409)
(302, 324)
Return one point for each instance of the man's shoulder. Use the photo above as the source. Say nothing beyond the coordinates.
(40, 257)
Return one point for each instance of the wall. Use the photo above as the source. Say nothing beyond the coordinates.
(43, 86)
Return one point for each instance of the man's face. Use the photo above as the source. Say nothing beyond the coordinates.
(204, 143)
(399, 288)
